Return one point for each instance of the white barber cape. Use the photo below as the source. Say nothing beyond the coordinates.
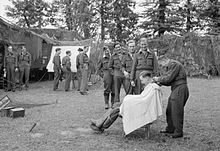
(139, 110)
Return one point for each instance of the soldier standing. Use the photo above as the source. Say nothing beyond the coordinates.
(177, 79)
(127, 61)
(66, 63)
(10, 65)
(84, 67)
(115, 65)
(24, 60)
(144, 60)
(57, 68)
(79, 72)
(107, 76)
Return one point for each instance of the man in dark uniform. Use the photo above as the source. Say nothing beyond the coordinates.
(57, 68)
(115, 65)
(176, 78)
(144, 60)
(84, 67)
(66, 63)
(79, 72)
(127, 61)
(24, 60)
(107, 76)
(10, 65)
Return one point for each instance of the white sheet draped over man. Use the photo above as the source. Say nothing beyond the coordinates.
(139, 110)
(136, 110)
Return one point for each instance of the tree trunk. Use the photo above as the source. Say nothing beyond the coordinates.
(161, 17)
(102, 21)
(188, 19)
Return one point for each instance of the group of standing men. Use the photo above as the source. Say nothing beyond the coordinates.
(123, 68)
(82, 65)
(17, 63)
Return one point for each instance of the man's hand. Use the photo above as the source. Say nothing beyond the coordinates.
(16, 69)
(126, 74)
(132, 83)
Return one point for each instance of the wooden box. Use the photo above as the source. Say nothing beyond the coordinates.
(5, 112)
(17, 112)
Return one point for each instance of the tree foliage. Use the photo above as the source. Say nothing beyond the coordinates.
(29, 13)
(75, 15)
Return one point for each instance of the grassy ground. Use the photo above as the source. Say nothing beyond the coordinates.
(63, 120)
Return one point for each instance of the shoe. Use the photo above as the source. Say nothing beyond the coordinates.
(6, 90)
(166, 132)
(95, 128)
(84, 93)
(177, 135)
(13, 90)
(66, 90)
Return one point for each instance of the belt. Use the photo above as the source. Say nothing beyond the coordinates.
(179, 82)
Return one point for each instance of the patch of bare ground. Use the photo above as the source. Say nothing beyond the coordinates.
(62, 121)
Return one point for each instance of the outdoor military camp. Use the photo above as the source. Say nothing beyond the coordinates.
(115, 75)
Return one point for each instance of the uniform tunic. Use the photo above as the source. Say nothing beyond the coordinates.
(79, 71)
(10, 63)
(24, 60)
(57, 70)
(104, 72)
(115, 65)
(127, 61)
(143, 61)
(176, 78)
(67, 72)
(84, 68)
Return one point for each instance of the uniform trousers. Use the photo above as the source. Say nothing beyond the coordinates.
(175, 108)
(10, 73)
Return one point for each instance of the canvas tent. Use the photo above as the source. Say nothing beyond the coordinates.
(38, 45)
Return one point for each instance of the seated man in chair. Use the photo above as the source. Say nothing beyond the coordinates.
(136, 110)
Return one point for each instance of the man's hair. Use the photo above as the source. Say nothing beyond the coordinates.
(10, 46)
(80, 49)
(131, 41)
(67, 52)
(145, 74)
(57, 49)
(117, 43)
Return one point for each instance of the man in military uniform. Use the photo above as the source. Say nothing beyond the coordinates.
(66, 63)
(24, 60)
(144, 60)
(57, 68)
(79, 72)
(107, 76)
(115, 65)
(177, 79)
(10, 65)
(127, 61)
(84, 67)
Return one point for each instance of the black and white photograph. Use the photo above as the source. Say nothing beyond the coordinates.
(109, 75)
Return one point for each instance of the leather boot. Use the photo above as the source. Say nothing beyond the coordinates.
(99, 122)
(112, 100)
(106, 99)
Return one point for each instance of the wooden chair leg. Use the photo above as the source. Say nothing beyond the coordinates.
(147, 131)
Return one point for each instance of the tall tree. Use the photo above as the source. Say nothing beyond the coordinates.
(210, 13)
(122, 20)
(29, 13)
(170, 16)
(75, 15)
